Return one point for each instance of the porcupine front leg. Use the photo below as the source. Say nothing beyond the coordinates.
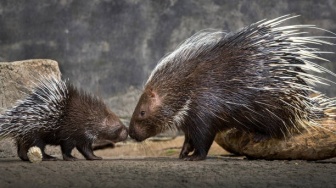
(187, 147)
(67, 147)
(201, 141)
(45, 157)
(86, 150)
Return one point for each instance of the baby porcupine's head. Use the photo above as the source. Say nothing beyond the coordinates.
(112, 128)
(89, 115)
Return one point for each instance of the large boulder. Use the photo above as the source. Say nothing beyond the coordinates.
(314, 144)
(16, 78)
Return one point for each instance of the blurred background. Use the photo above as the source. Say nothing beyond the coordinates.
(109, 47)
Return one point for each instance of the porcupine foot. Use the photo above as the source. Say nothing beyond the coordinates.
(47, 157)
(200, 147)
(86, 150)
(69, 158)
(196, 156)
(66, 148)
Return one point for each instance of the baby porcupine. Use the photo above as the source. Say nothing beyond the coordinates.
(258, 79)
(57, 113)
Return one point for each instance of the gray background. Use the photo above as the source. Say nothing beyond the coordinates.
(109, 47)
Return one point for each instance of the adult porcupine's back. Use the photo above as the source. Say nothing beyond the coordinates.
(259, 79)
(57, 113)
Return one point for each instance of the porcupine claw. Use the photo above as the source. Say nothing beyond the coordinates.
(69, 158)
(94, 158)
(87, 151)
(194, 158)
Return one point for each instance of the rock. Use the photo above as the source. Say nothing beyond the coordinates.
(16, 80)
(313, 144)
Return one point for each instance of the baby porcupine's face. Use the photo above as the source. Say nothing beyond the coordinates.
(144, 123)
(113, 129)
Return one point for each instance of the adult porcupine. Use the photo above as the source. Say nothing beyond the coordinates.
(57, 113)
(255, 80)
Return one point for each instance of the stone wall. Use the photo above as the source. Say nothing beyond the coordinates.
(109, 47)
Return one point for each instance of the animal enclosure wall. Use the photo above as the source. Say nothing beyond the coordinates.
(109, 47)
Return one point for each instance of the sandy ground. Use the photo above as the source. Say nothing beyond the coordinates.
(155, 164)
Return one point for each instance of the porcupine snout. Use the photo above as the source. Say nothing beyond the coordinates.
(122, 130)
(113, 129)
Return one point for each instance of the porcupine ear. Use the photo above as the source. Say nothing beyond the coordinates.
(152, 94)
(154, 99)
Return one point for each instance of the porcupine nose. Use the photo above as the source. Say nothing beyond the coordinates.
(132, 131)
(123, 131)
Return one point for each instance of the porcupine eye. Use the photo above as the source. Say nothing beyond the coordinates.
(142, 113)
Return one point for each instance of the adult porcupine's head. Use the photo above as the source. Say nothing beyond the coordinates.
(89, 115)
(259, 78)
(156, 113)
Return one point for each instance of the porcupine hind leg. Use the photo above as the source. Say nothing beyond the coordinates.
(22, 150)
(67, 147)
(45, 157)
(86, 150)
(201, 141)
(23, 147)
(187, 147)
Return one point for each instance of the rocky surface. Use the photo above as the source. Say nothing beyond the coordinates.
(155, 170)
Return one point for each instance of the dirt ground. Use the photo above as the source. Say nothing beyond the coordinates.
(155, 164)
